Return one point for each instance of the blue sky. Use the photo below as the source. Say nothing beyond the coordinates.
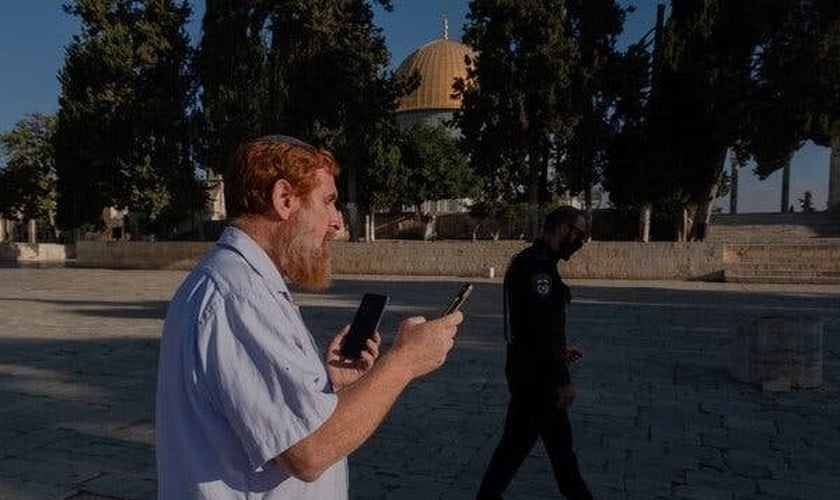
(34, 33)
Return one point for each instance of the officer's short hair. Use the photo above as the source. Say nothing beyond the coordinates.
(564, 214)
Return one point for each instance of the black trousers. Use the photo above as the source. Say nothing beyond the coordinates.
(528, 419)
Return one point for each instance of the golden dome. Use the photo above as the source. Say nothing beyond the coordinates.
(439, 63)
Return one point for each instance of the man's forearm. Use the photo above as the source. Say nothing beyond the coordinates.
(361, 408)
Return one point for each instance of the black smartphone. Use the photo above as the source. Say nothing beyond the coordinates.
(365, 323)
(459, 299)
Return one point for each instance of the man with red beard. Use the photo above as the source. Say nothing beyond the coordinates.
(246, 405)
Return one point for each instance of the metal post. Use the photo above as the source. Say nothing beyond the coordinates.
(834, 176)
(733, 186)
(786, 189)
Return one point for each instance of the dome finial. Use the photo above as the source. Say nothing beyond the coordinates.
(445, 26)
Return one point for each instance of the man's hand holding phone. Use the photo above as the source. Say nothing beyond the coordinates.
(426, 343)
(344, 371)
(354, 350)
(422, 345)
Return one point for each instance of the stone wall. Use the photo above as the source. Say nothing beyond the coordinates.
(609, 260)
(35, 253)
(140, 254)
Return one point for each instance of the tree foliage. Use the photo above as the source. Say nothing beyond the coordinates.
(123, 133)
(314, 70)
(796, 93)
(742, 75)
(628, 175)
(27, 177)
(594, 26)
(513, 106)
(700, 103)
(549, 106)
(533, 111)
(434, 167)
(229, 67)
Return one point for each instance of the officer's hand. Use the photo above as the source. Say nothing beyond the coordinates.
(573, 354)
(566, 395)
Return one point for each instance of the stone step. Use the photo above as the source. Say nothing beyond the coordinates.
(789, 227)
(825, 251)
(817, 261)
(732, 277)
(783, 268)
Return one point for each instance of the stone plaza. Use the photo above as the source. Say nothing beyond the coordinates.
(658, 415)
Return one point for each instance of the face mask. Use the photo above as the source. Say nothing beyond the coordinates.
(572, 242)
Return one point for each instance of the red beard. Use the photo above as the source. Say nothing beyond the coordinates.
(300, 258)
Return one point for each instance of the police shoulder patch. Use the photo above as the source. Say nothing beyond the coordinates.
(542, 284)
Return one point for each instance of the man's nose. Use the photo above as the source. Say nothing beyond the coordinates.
(336, 222)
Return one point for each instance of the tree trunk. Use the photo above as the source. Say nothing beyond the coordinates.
(429, 226)
(703, 213)
(644, 222)
(681, 225)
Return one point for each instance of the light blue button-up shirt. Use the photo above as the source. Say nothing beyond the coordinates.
(240, 380)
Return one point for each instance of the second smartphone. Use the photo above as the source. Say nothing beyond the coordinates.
(364, 325)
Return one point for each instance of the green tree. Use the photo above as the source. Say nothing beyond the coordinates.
(164, 188)
(637, 183)
(313, 70)
(27, 177)
(593, 25)
(633, 185)
(514, 110)
(339, 92)
(806, 203)
(435, 168)
(796, 95)
(535, 108)
(123, 134)
(700, 103)
(229, 67)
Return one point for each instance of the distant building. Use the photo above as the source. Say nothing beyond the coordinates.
(439, 63)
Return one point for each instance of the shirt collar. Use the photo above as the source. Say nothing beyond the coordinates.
(240, 242)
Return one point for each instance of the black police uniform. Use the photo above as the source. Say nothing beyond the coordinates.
(535, 311)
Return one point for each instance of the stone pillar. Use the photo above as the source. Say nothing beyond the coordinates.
(2, 229)
(778, 351)
(834, 176)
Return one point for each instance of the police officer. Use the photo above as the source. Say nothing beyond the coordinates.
(535, 301)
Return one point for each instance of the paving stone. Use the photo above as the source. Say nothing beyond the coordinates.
(656, 417)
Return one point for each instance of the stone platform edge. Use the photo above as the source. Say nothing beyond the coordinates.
(602, 260)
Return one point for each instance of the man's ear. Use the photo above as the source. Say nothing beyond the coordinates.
(284, 200)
